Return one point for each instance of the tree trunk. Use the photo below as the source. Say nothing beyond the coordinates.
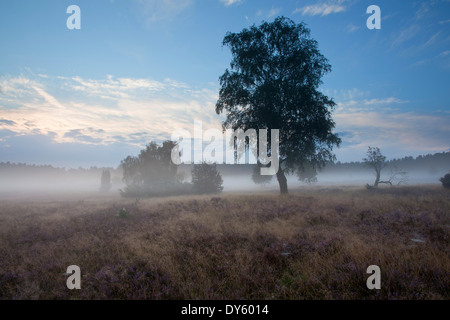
(377, 180)
(282, 181)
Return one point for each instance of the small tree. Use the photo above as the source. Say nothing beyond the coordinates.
(206, 178)
(105, 185)
(376, 161)
(445, 181)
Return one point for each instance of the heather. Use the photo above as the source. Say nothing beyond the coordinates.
(314, 243)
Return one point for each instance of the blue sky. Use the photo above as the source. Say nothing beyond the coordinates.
(139, 69)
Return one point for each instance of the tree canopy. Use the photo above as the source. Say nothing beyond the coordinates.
(152, 170)
(273, 80)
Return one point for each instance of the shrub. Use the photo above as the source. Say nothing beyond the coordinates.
(369, 187)
(206, 179)
(445, 181)
(123, 213)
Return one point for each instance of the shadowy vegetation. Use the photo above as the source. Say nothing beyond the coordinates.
(206, 179)
(311, 244)
(445, 180)
(152, 173)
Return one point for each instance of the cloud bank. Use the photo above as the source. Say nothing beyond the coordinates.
(121, 113)
(102, 111)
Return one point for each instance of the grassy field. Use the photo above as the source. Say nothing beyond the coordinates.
(311, 244)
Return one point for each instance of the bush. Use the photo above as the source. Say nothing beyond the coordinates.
(206, 179)
(369, 187)
(123, 213)
(445, 181)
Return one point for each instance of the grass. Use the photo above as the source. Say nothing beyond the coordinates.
(311, 244)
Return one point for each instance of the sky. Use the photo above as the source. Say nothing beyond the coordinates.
(137, 70)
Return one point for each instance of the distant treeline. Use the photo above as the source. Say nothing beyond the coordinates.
(11, 173)
(431, 163)
(24, 168)
(437, 163)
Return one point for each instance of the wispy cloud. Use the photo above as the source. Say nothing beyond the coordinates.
(322, 8)
(352, 28)
(115, 88)
(273, 12)
(405, 35)
(426, 7)
(228, 3)
(368, 105)
(160, 10)
(267, 13)
(433, 39)
(442, 57)
(103, 111)
(372, 122)
(420, 32)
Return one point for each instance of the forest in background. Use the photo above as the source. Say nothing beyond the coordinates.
(46, 177)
